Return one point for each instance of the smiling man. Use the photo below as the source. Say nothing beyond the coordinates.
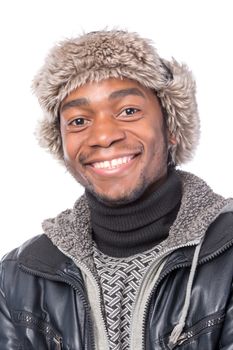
(143, 261)
(105, 144)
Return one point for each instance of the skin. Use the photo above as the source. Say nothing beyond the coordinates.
(115, 119)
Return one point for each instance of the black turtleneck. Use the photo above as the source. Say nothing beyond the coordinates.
(138, 226)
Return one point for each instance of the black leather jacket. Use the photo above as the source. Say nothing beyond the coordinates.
(44, 302)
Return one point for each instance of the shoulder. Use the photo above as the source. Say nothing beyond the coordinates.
(218, 240)
(14, 254)
(219, 235)
(28, 247)
(38, 254)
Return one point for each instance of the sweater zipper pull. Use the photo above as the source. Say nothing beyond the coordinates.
(182, 338)
(58, 343)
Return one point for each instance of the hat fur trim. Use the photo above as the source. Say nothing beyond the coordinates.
(101, 55)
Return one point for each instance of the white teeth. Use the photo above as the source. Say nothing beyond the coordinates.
(112, 164)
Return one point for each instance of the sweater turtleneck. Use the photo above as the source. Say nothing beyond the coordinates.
(138, 226)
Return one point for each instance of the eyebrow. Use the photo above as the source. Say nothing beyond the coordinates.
(126, 92)
(79, 102)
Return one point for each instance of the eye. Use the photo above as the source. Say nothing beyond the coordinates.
(79, 122)
(129, 111)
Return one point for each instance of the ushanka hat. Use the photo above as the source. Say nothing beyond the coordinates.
(100, 55)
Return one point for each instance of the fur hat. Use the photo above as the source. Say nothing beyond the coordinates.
(100, 55)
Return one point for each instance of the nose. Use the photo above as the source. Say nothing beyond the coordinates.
(104, 132)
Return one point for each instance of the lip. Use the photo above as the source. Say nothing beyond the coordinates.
(118, 170)
(110, 157)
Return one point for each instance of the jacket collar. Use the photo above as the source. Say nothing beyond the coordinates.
(70, 231)
(39, 254)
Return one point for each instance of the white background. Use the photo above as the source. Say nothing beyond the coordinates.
(200, 33)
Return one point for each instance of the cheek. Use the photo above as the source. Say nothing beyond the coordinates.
(71, 146)
(156, 150)
(156, 139)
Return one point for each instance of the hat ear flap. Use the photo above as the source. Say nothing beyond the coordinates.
(179, 101)
(49, 136)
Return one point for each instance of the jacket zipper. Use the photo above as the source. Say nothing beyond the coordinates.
(89, 273)
(57, 339)
(159, 259)
(175, 267)
(31, 322)
(185, 336)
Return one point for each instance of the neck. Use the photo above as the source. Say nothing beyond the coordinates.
(138, 226)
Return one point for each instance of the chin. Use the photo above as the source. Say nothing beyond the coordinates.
(119, 200)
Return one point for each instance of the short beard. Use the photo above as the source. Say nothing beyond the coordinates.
(142, 190)
(124, 199)
(105, 199)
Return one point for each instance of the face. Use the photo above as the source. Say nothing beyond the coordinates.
(114, 139)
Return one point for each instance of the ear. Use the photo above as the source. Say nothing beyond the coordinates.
(172, 139)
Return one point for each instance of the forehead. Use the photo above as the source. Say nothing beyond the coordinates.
(112, 88)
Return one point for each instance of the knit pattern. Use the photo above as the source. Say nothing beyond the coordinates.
(119, 280)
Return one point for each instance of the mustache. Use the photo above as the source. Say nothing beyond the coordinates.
(85, 156)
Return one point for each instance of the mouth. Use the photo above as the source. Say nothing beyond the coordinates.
(113, 163)
(113, 166)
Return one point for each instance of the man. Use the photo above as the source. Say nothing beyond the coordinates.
(144, 258)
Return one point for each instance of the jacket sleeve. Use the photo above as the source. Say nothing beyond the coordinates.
(226, 341)
(8, 337)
